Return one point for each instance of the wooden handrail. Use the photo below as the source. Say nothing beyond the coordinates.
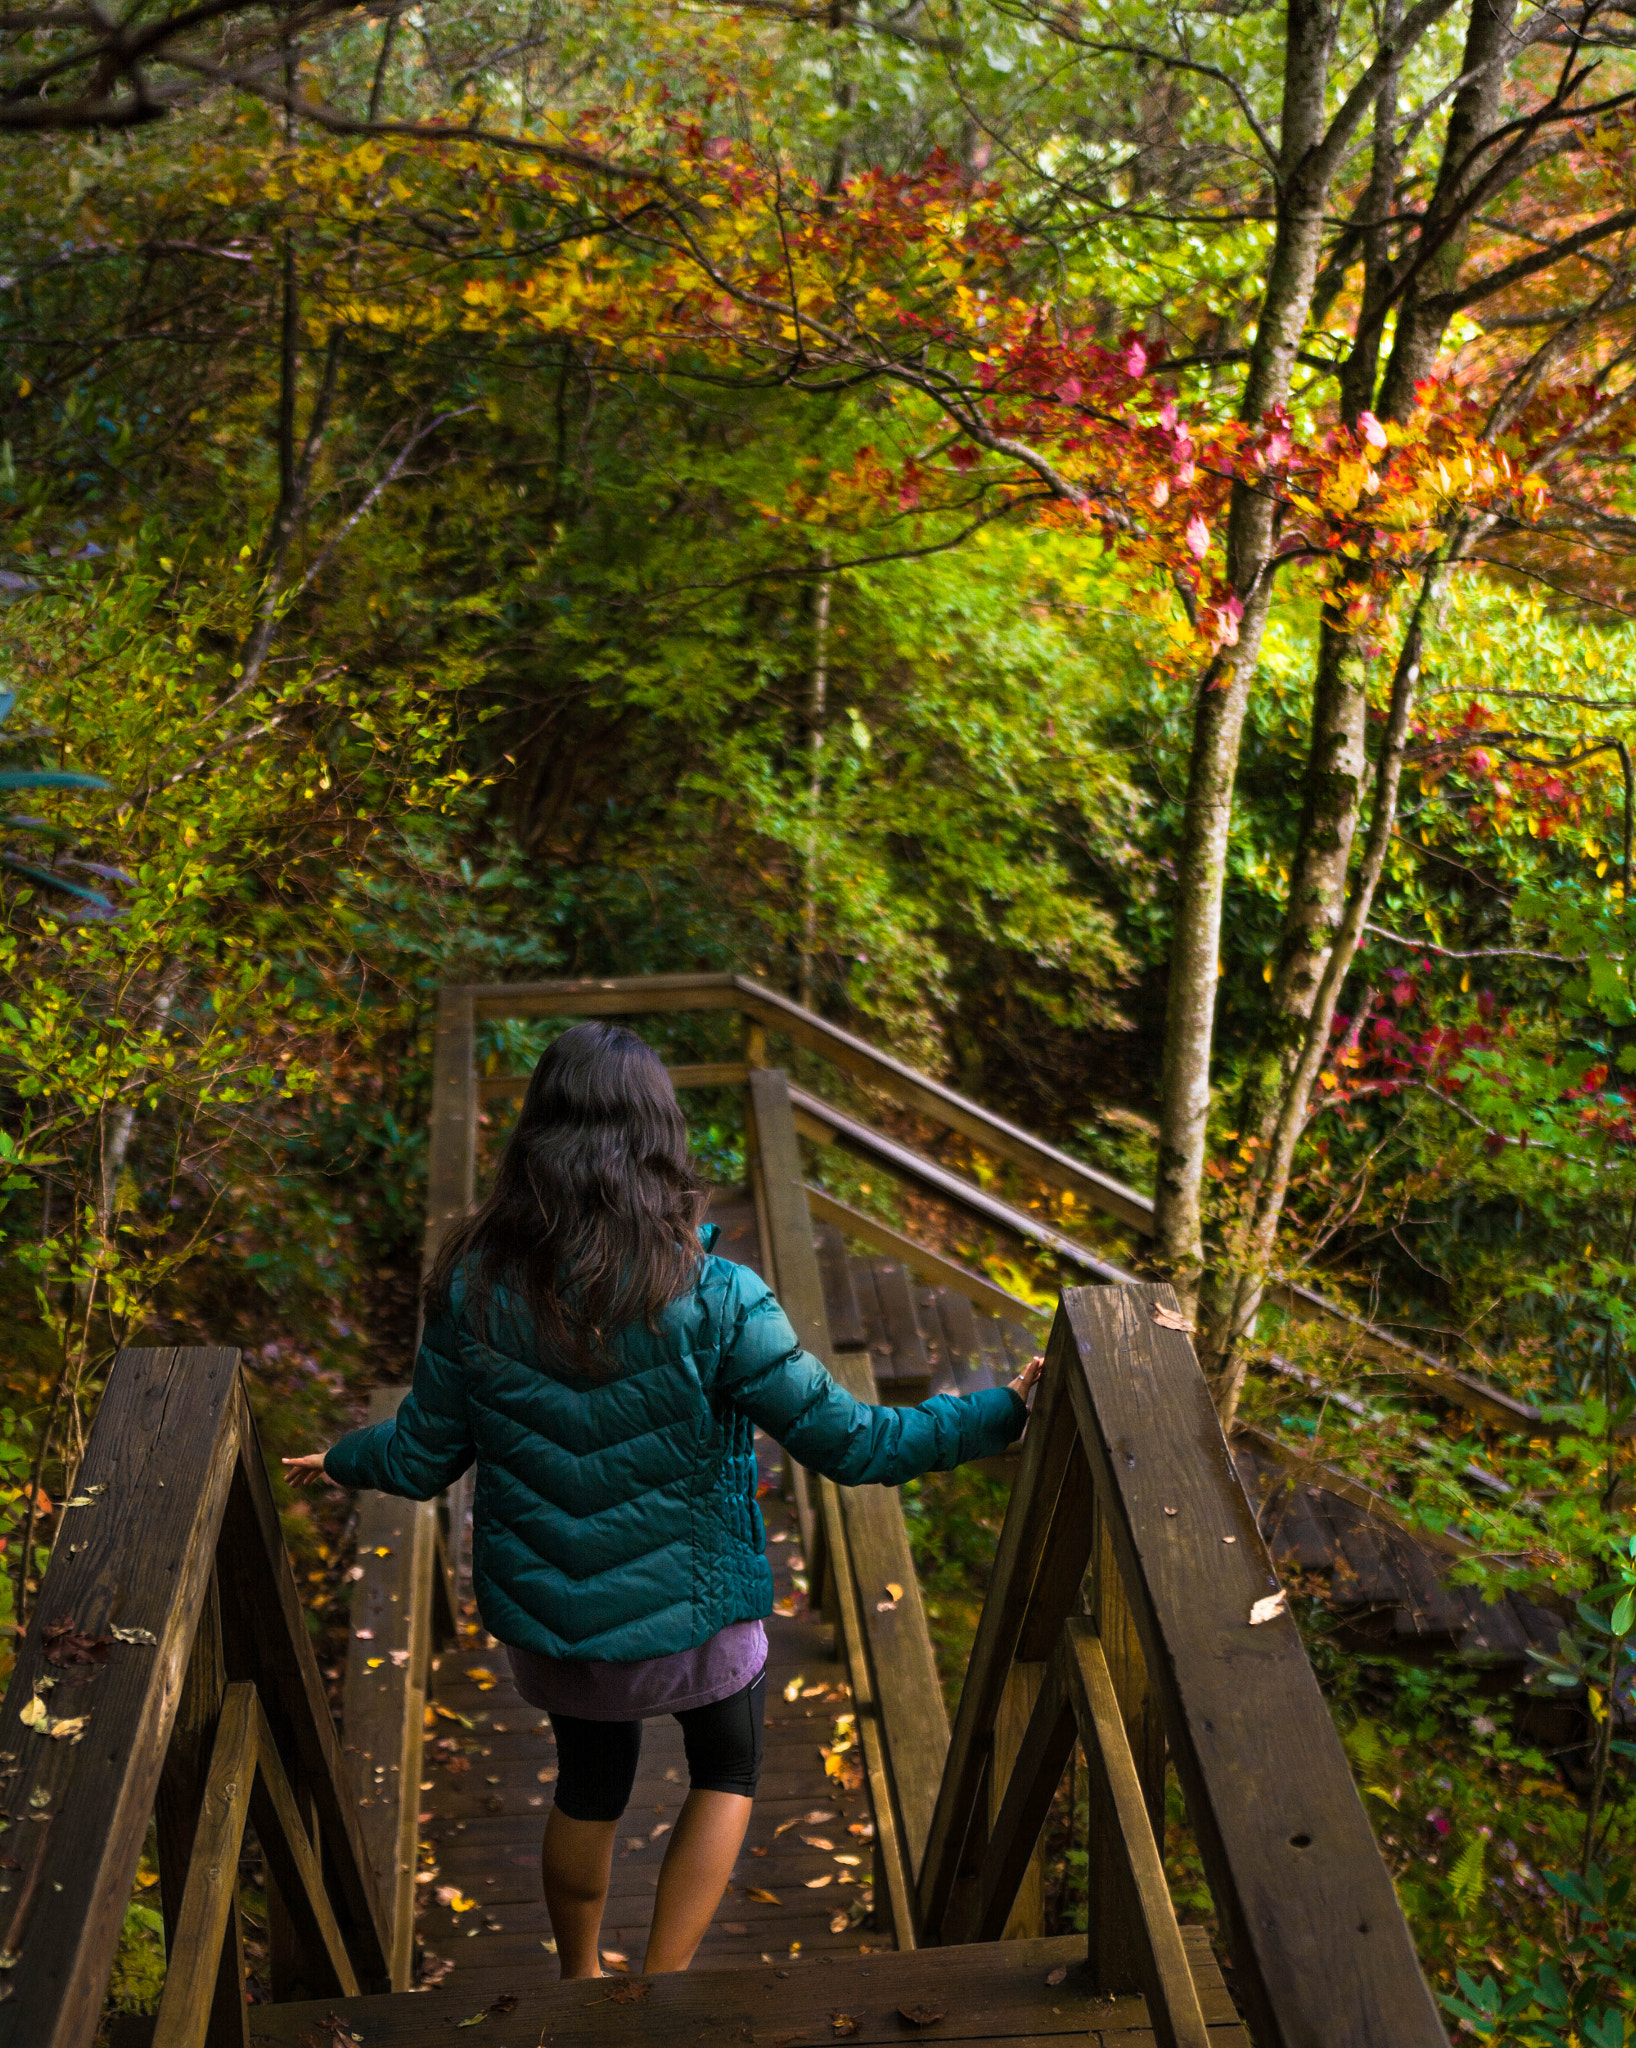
(1188, 1623)
(902, 1725)
(766, 1008)
(171, 1560)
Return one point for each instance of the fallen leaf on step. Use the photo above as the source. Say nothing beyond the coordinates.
(818, 1841)
(329, 2032)
(433, 1969)
(763, 1898)
(624, 1994)
(851, 1862)
(364, 1635)
(506, 2002)
(734, 1927)
(450, 1895)
(546, 1776)
(819, 1813)
(793, 1690)
(399, 1658)
(839, 1923)
(922, 2015)
(844, 2025)
(893, 1590)
(663, 1828)
(1059, 1975)
(617, 1957)
(143, 1636)
(1267, 1609)
(816, 1883)
(1171, 1319)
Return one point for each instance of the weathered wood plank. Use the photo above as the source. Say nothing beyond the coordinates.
(929, 1265)
(701, 1074)
(640, 995)
(997, 1992)
(900, 1643)
(763, 1007)
(210, 1900)
(156, 1470)
(1320, 1945)
(1031, 1773)
(384, 1692)
(865, 1534)
(1167, 1982)
(911, 1367)
(846, 1330)
(266, 1640)
(1048, 1445)
(294, 1869)
(1020, 1225)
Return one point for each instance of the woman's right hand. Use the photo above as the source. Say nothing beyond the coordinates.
(1026, 1381)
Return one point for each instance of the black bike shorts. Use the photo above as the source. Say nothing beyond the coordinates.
(596, 1760)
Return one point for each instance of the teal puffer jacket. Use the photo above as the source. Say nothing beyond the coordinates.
(617, 1518)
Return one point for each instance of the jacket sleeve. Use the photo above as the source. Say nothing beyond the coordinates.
(428, 1443)
(784, 1390)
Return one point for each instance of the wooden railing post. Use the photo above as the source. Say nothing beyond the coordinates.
(903, 1728)
(178, 1805)
(1320, 1949)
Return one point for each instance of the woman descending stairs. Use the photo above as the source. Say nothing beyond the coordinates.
(1133, 1610)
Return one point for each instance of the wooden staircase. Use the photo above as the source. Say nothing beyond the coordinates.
(1133, 1610)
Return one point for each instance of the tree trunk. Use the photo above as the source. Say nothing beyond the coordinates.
(1223, 694)
(1245, 1301)
(1336, 766)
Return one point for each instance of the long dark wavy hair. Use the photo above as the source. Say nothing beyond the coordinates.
(592, 1223)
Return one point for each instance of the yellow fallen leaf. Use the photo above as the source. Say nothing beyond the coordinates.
(793, 1690)
(893, 1590)
(818, 1841)
(851, 1862)
(763, 1898)
(815, 1884)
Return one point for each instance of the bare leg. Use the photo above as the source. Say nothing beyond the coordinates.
(575, 1863)
(698, 1862)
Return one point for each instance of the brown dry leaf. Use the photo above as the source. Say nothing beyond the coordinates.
(1059, 1975)
(922, 2015)
(844, 2024)
(625, 1994)
(734, 1926)
(818, 1815)
(818, 1841)
(784, 1826)
(330, 2032)
(65, 1644)
(762, 1898)
(1171, 1319)
(817, 1883)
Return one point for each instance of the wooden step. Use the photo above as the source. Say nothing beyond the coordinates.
(998, 1992)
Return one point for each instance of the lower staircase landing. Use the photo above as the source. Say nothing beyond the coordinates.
(1010, 1994)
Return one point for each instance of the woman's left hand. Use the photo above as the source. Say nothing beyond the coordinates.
(1026, 1381)
(304, 1470)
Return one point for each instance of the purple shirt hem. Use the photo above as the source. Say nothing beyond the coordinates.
(594, 1689)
